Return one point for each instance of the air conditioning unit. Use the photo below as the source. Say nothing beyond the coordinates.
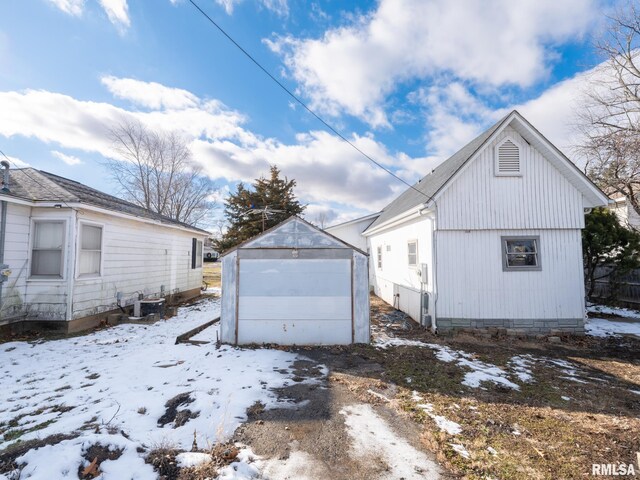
(142, 308)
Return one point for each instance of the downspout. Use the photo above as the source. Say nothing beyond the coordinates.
(4, 269)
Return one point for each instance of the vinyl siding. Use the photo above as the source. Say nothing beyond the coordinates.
(136, 258)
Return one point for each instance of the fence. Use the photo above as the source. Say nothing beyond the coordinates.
(628, 288)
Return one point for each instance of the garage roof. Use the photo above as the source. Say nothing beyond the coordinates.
(294, 233)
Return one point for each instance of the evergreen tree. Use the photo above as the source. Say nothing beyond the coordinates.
(606, 243)
(252, 210)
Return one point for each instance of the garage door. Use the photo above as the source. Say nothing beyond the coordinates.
(295, 301)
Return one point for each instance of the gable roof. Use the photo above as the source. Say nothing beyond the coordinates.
(434, 182)
(40, 186)
(371, 216)
(294, 232)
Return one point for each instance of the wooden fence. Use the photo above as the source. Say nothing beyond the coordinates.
(628, 288)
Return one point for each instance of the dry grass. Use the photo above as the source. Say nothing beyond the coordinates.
(529, 433)
(211, 272)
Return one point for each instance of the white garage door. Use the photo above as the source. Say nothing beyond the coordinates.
(295, 301)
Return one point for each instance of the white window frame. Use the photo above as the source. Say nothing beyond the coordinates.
(379, 257)
(414, 242)
(83, 276)
(63, 257)
(496, 160)
(531, 268)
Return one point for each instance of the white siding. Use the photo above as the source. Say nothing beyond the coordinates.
(136, 258)
(395, 271)
(33, 299)
(352, 232)
(472, 283)
(540, 198)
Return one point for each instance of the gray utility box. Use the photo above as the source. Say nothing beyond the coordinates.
(142, 308)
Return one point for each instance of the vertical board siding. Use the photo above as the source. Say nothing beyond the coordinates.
(137, 258)
(541, 197)
(16, 247)
(352, 233)
(472, 283)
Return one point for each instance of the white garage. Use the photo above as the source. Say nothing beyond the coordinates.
(295, 285)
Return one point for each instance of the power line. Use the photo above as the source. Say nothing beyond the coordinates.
(24, 170)
(304, 105)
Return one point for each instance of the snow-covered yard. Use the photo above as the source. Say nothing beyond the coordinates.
(131, 388)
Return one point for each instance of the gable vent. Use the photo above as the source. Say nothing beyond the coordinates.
(508, 158)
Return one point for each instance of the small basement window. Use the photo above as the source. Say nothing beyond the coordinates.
(196, 253)
(412, 253)
(90, 255)
(379, 252)
(47, 249)
(521, 253)
(507, 158)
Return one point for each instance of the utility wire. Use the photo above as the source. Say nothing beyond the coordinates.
(24, 170)
(304, 105)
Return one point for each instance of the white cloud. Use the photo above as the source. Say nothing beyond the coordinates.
(71, 7)
(68, 159)
(149, 94)
(354, 68)
(15, 162)
(279, 7)
(118, 13)
(327, 170)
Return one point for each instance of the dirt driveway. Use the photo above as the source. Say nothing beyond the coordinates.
(340, 429)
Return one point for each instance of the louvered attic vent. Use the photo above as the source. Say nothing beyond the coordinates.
(508, 158)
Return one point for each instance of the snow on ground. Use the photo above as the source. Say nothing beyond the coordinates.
(478, 371)
(111, 386)
(209, 334)
(600, 327)
(371, 435)
(618, 312)
(443, 423)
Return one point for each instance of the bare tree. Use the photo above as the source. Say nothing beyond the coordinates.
(321, 219)
(155, 170)
(610, 114)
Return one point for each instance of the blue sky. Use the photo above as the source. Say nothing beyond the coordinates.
(408, 81)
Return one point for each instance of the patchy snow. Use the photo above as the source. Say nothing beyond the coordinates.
(618, 312)
(479, 371)
(443, 423)
(521, 367)
(569, 370)
(566, 399)
(600, 327)
(460, 450)
(246, 467)
(372, 435)
(192, 459)
(118, 380)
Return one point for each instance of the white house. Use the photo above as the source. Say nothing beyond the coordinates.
(73, 254)
(295, 285)
(489, 238)
(625, 212)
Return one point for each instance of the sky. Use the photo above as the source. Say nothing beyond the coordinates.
(409, 82)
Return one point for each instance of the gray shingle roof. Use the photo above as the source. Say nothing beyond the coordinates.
(429, 185)
(40, 186)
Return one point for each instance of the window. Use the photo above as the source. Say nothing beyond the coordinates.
(47, 249)
(521, 253)
(196, 253)
(379, 257)
(388, 248)
(507, 158)
(412, 253)
(90, 253)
